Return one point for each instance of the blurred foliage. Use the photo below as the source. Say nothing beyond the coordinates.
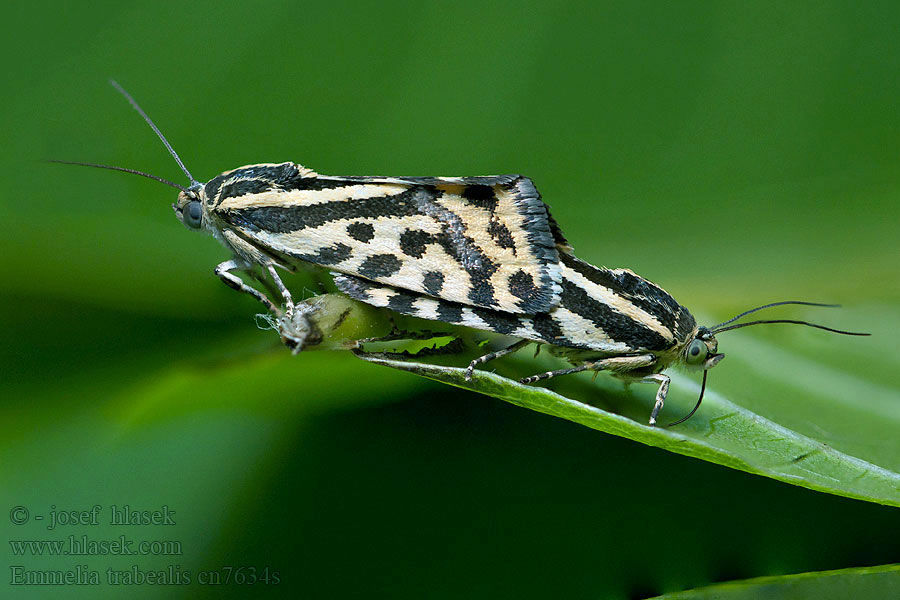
(734, 153)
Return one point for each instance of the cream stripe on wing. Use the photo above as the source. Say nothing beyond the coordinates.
(288, 198)
(617, 303)
(585, 333)
(426, 308)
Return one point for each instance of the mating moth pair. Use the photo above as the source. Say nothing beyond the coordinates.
(481, 252)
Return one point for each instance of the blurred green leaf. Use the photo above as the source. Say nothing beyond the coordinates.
(867, 582)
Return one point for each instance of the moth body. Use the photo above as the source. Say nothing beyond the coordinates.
(607, 319)
(482, 252)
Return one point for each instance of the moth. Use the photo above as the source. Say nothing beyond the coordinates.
(481, 252)
(607, 320)
(481, 241)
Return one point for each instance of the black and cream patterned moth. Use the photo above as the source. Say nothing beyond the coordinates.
(607, 320)
(481, 252)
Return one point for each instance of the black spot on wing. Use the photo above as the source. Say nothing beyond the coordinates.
(413, 242)
(482, 292)
(481, 195)
(380, 265)
(549, 330)
(402, 302)
(521, 285)
(433, 282)
(500, 233)
(449, 312)
(329, 255)
(361, 232)
(500, 322)
(617, 326)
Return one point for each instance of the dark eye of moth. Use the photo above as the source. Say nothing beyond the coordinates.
(696, 352)
(192, 214)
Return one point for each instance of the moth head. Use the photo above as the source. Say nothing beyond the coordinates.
(701, 353)
(189, 208)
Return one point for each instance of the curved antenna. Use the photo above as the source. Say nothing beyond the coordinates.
(808, 324)
(153, 126)
(753, 310)
(124, 170)
(696, 406)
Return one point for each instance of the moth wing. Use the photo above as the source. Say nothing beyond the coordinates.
(422, 306)
(559, 239)
(480, 241)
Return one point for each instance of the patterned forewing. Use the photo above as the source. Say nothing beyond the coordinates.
(480, 241)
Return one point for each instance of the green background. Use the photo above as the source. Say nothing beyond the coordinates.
(734, 153)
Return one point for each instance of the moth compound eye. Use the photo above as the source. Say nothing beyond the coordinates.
(192, 214)
(696, 353)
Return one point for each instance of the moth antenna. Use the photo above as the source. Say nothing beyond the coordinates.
(153, 126)
(124, 170)
(753, 310)
(808, 324)
(696, 406)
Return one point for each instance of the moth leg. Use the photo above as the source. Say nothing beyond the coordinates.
(549, 374)
(288, 301)
(492, 355)
(661, 393)
(246, 255)
(616, 364)
(264, 281)
(223, 272)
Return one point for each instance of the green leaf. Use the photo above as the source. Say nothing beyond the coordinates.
(867, 582)
(724, 430)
